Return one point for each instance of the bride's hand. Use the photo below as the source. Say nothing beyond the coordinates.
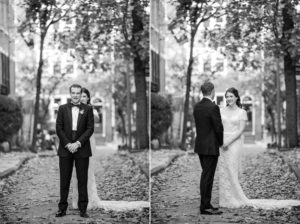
(224, 147)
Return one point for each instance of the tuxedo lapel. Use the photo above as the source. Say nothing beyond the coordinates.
(69, 111)
(79, 118)
(81, 111)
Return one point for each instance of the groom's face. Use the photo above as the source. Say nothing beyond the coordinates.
(75, 94)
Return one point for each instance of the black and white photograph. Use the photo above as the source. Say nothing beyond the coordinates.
(73, 118)
(225, 111)
(149, 111)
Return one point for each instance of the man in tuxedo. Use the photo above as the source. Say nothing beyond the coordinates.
(74, 127)
(209, 138)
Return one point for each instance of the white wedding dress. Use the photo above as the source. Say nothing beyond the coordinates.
(94, 200)
(231, 194)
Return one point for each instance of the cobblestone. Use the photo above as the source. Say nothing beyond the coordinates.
(31, 194)
(176, 193)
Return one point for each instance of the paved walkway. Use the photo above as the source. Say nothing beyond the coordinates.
(161, 159)
(10, 162)
(176, 194)
(31, 194)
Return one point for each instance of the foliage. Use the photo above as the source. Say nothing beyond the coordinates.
(10, 118)
(39, 17)
(263, 176)
(104, 30)
(270, 27)
(189, 16)
(253, 26)
(118, 177)
(111, 31)
(161, 115)
(120, 97)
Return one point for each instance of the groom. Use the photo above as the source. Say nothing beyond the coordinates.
(74, 127)
(209, 138)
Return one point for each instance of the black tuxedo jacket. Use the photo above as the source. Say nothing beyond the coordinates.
(85, 129)
(209, 128)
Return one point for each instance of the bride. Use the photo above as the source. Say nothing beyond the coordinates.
(94, 200)
(231, 194)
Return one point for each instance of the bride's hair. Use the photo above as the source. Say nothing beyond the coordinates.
(84, 90)
(236, 94)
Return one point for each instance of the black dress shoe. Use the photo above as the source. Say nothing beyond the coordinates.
(210, 212)
(213, 208)
(84, 215)
(60, 213)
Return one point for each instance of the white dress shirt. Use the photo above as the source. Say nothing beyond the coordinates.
(75, 114)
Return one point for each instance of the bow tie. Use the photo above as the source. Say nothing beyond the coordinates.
(75, 105)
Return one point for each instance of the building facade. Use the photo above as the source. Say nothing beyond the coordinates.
(157, 45)
(7, 63)
(210, 62)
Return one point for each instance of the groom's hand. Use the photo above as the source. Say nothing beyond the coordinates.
(68, 146)
(72, 147)
(224, 147)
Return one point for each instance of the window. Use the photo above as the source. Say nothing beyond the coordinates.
(155, 71)
(207, 66)
(219, 19)
(57, 100)
(219, 100)
(70, 69)
(57, 68)
(5, 75)
(220, 66)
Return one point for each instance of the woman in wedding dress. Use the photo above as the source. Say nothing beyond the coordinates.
(94, 200)
(231, 194)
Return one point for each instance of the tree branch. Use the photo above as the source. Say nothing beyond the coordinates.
(275, 16)
(214, 13)
(124, 28)
(53, 20)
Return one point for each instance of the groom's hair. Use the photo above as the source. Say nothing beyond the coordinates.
(75, 86)
(207, 88)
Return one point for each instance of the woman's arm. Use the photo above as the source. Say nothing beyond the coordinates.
(243, 120)
(238, 135)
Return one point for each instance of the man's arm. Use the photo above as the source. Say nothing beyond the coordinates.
(59, 128)
(217, 124)
(90, 127)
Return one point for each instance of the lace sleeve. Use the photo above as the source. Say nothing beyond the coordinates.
(244, 115)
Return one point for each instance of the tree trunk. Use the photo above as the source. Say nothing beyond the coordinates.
(291, 101)
(37, 95)
(290, 78)
(141, 106)
(187, 91)
(123, 128)
(273, 129)
(45, 110)
(139, 65)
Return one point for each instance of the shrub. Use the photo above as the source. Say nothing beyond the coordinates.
(10, 118)
(161, 115)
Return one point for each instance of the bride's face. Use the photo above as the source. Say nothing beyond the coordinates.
(84, 98)
(230, 99)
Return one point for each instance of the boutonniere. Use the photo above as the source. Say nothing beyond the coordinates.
(81, 111)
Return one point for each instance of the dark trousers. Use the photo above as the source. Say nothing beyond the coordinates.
(208, 165)
(66, 168)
